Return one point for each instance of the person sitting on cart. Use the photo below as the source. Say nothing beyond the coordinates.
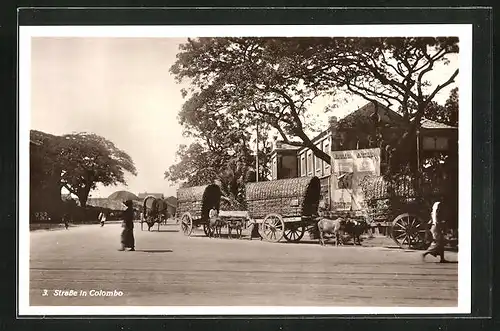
(437, 230)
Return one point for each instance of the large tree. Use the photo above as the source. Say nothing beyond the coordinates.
(228, 162)
(447, 114)
(275, 80)
(221, 150)
(244, 79)
(77, 162)
(88, 159)
(45, 174)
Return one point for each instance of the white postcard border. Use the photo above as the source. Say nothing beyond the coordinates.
(463, 31)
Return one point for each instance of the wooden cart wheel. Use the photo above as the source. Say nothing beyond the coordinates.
(294, 232)
(409, 231)
(187, 224)
(273, 228)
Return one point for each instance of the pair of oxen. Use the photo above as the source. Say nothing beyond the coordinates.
(155, 210)
(341, 226)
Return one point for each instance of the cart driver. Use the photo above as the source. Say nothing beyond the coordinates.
(213, 214)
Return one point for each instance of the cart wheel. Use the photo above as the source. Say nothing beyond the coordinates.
(187, 224)
(273, 228)
(293, 233)
(409, 231)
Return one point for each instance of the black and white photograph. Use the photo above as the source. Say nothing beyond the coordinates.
(208, 170)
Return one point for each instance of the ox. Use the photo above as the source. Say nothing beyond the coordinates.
(335, 227)
(215, 224)
(237, 225)
(355, 228)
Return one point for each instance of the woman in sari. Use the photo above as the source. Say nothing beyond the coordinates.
(437, 230)
(127, 237)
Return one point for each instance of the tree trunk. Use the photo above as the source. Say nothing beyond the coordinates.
(83, 200)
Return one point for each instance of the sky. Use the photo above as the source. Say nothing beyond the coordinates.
(121, 88)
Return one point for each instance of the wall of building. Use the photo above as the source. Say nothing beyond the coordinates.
(288, 167)
(311, 165)
(284, 165)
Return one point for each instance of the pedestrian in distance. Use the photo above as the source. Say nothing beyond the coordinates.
(127, 237)
(66, 220)
(102, 217)
(437, 230)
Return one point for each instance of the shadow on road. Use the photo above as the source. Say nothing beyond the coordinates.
(154, 250)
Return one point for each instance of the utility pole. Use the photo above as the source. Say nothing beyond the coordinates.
(257, 155)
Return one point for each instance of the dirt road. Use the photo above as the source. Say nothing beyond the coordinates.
(169, 269)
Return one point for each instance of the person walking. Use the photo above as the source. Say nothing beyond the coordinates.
(437, 230)
(66, 220)
(127, 237)
(102, 217)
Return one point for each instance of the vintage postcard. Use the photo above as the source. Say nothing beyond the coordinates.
(225, 170)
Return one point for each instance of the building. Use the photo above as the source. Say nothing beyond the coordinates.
(284, 161)
(357, 131)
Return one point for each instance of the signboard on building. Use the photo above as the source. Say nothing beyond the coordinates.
(348, 170)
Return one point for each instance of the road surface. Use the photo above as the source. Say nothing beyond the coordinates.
(170, 269)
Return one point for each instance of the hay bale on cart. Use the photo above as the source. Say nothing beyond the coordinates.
(398, 208)
(284, 207)
(194, 204)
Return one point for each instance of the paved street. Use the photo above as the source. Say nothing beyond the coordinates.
(170, 269)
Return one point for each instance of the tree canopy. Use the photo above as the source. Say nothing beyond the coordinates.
(275, 80)
(79, 161)
(447, 114)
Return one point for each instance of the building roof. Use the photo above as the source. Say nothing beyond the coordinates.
(430, 124)
(386, 116)
(283, 145)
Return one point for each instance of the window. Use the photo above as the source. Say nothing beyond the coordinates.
(435, 143)
(275, 169)
(326, 149)
(310, 165)
(428, 143)
(302, 165)
(317, 162)
(441, 143)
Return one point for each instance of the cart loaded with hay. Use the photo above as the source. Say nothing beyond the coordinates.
(397, 208)
(194, 205)
(284, 208)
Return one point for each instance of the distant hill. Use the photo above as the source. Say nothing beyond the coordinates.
(142, 196)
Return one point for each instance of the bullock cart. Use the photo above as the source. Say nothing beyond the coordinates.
(154, 210)
(194, 204)
(398, 208)
(284, 208)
